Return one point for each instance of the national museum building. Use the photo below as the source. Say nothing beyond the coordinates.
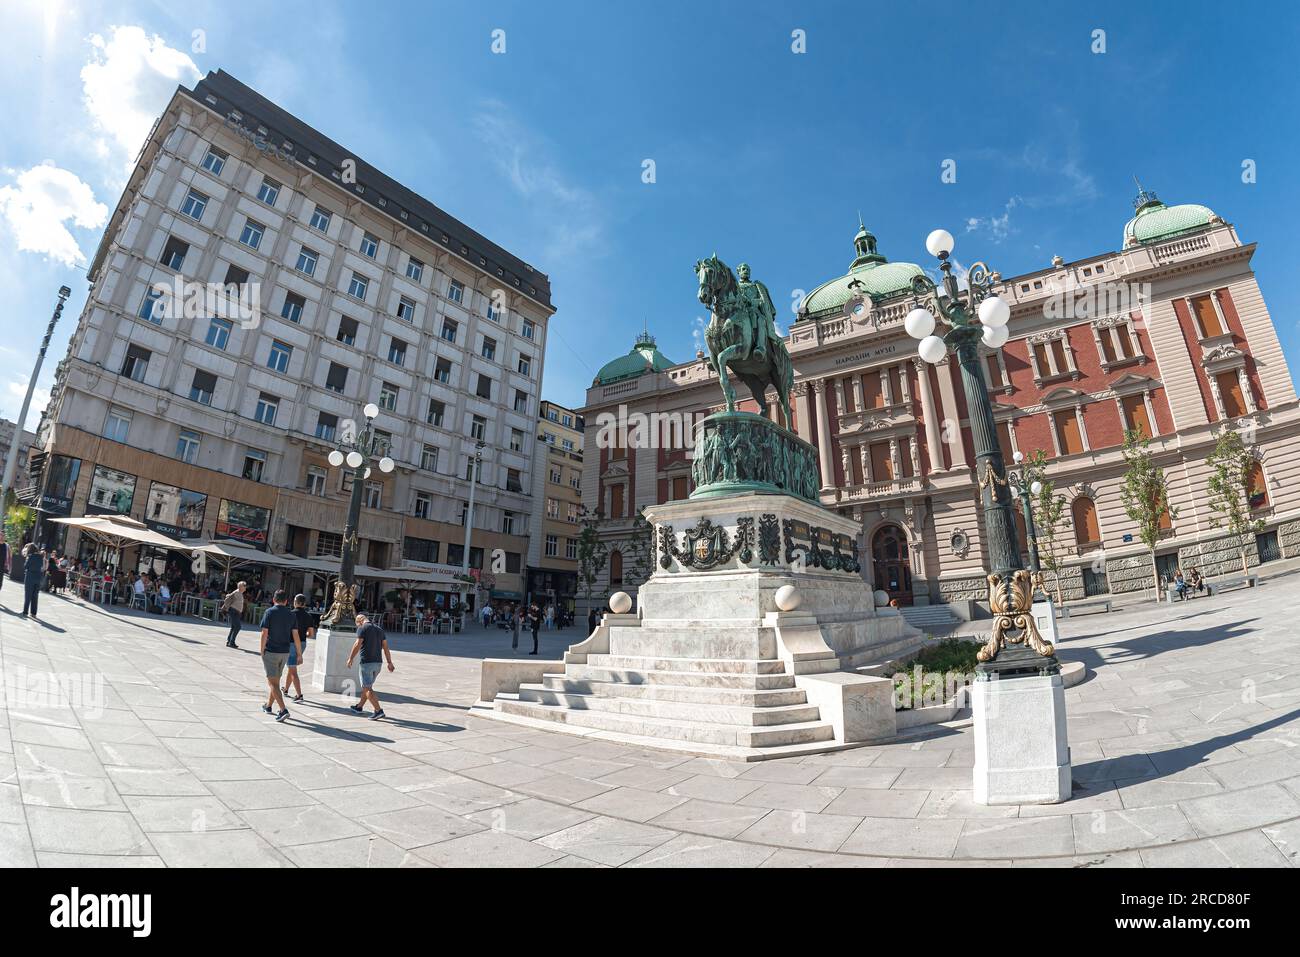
(1169, 336)
(207, 419)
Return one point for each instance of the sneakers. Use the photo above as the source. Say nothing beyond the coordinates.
(267, 709)
(377, 715)
(282, 715)
(297, 698)
(358, 707)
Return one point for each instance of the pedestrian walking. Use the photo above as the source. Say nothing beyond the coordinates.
(534, 623)
(305, 630)
(279, 635)
(232, 606)
(372, 645)
(33, 576)
(592, 620)
(516, 623)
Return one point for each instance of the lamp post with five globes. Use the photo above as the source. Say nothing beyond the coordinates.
(356, 453)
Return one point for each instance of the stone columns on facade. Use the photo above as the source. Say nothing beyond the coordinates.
(802, 416)
(865, 455)
(952, 423)
(823, 434)
(859, 401)
(931, 414)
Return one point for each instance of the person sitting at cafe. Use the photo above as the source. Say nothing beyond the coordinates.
(1197, 583)
(1180, 584)
(162, 598)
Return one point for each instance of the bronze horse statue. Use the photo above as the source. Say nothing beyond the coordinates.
(742, 337)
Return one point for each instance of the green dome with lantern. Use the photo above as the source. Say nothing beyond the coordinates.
(644, 357)
(1156, 222)
(870, 274)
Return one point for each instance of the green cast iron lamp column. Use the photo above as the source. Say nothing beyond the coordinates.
(359, 451)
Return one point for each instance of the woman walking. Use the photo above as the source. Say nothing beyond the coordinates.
(33, 576)
(232, 606)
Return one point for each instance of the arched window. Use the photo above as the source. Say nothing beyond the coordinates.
(1086, 530)
(1256, 489)
(616, 567)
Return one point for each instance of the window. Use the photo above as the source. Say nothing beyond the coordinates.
(429, 458)
(1234, 403)
(307, 261)
(436, 411)
(347, 333)
(449, 327)
(575, 480)
(478, 428)
(194, 205)
(422, 505)
(571, 548)
(442, 371)
(484, 388)
(525, 364)
(218, 332)
(1207, 317)
(136, 364)
(252, 234)
(369, 245)
(882, 464)
(493, 312)
(414, 269)
(269, 191)
(405, 309)
(397, 351)
(489, 350)
(552, 508)
(336, 379)
(557, 475)
(254, 465)
(358, 287)
(279, 357)
(566, 444)
(567, 421)
(235, 276)
(1068, 439)
(552, 546)
(372, 496)
(149, 307)
(329, 545)
(419, 550)
(469, 469)
(267, 406)
(528, 329)
(388, 397)
(616, 567)
(320, 219)
(187, 447)
(456, 291)
(316, 478)
(118, 425)
(995, 371)
(205, 383)
(616, 502)
(173, 254)
(513, 481)
(516, 440)
(326, 426)
(1086, 530)
(383, 442)
(1256, 487)
(521, 401)
(1135, 415)
(507, 522)
(292, 308)
(680, 488)
(552, 415)
(214, 161)
(571, 513)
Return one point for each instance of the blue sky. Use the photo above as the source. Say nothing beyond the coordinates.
(760, 153)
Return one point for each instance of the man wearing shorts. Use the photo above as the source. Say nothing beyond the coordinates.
(372, 644)
(279, 634)
(306, 629)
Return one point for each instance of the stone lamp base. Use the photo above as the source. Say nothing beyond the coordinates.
(330, 671)
(1021, 752)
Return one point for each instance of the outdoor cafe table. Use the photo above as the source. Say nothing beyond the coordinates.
(208, 606)
(192, 602)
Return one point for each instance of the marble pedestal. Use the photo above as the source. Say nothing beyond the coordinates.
(330, 671)
(1044, 612)
(1022, 755)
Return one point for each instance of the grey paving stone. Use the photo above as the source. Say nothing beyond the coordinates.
(562, 788)
(489, 849)
(607, 841)
(192, 813)
(156, 781)
(692, 850)
(417, 826)
(815, 832)
(93, 832)
(646, 777)
(287, 826)
(530, 818)
(706, 787)
(1244, 849)
(465, 796)
(1239, 810)
(781, 772)
(900, 837)
(791, 797)
(961, 804)
(367, 851)
(218, 849)
(995, 838)
(93, 861)
(259, 795)
(631, 804)
(1128, 829)
(325, 774)
(357, 800)
(878, 802)
(16, 846)
(1286, 838)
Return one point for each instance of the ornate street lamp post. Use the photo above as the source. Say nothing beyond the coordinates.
(1024, 489)
(976, 316)
(469, 528)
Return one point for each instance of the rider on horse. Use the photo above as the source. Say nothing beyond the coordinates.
(757, 303)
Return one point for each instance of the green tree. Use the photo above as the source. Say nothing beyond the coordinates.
(639, 549)
(18, 519)
(1229, 487)
(1051, 519)
(1145, 495)
(591, 551)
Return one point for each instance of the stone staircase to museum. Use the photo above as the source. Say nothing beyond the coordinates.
(935, 620)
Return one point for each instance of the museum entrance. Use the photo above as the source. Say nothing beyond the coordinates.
(891, 564)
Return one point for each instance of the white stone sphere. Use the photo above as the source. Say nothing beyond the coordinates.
(932, 349)
(919, 323)
(882, 598)
(995, 337)
(788, 598)
(994, 311)
(620, 603)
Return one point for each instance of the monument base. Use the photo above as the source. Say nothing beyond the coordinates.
(330, 671)
(1021, 752)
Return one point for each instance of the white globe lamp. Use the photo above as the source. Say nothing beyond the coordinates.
(1036, 487)
(1018, 457)
(336, 458)
(994, 312)
(995, 337)
(939, 243)
(932, 349)
(386, 465)
(919, 323)
(371, 410)
(354, 459)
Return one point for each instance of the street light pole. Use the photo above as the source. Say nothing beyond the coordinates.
(1025, 489)
(469, 522)
(11, 461)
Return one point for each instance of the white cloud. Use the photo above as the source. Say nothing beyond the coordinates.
(129, 79)
(40, 399)
(39, 206)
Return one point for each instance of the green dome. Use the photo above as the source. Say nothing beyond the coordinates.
(1155, 221)
(869, 274)
(644, 357)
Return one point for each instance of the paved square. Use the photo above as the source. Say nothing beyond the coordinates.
(1184, 742)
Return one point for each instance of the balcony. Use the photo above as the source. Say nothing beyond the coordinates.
(872, 491)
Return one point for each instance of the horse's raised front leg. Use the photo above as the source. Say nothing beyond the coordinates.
(722, 358)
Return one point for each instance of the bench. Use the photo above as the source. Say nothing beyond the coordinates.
(1238, 581)
(1067, 610)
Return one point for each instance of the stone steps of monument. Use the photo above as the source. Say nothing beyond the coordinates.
(769, 666)
(696, 732)
(697, 679)
(934, 619)
(693, 643)
(694, 711)
(734, 696)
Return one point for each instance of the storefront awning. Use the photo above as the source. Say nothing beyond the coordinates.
(119, 531)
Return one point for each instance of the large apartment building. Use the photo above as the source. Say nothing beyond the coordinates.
(337, 287)
(1169, 335)
(557, 502)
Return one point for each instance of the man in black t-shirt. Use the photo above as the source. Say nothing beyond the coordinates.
(306, 629)
(279, 635)
(372, 644)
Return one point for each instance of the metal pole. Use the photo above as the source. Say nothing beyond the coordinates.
(469, 521)
(11, 461)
